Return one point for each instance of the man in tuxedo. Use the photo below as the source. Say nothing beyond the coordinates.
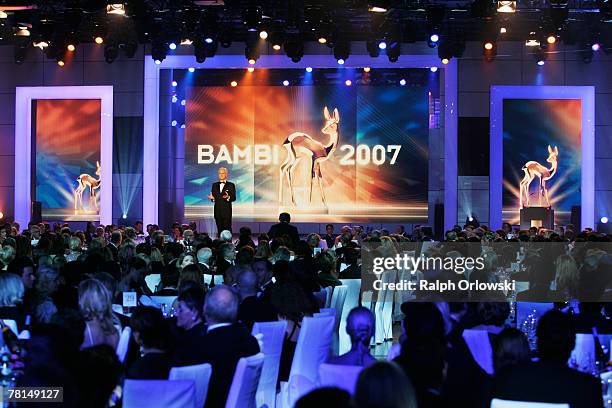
(550, 379)
(115, 242)
(225, 342)
(284, 228)
(223, 194)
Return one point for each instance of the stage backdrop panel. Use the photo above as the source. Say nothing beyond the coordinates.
(530, 127)
(66, 145)
(377, 169)
(542, 133)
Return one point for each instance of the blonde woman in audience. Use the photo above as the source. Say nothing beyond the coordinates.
(74, 249)
(567, 278)
(7, 254)
(11, 299)
(96, 306)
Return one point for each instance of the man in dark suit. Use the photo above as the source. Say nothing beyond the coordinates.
(223, 194)
(550, 379)
(284, 228)
(224, 344)
(115, 242)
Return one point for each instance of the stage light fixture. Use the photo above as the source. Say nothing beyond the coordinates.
(393, 52)
(445, 61)
(3, 14)
(199, 51)
(252, 17)
(183, 102)
(489, 49)
(172, 46)
(433, 69)
(191, 69)
(308, 69)
(116, 9)
(604, 220)
(174, 99)
(174, 83)
(158, 51)
(252, 61)
(276, 47)
(174, 123)
(186, 41)
(503, 30)
(348, 82)
(551, 39)
(294, 47)
(322, 40)
(505, 6)
(208, 40)
(342, 51)
(251, 69)
(285, 83)
(61, 63)
(434, 38)
(341, 61)
(382, 45)
(98, 40)
(366, 69)
(71, 47)
(541, 62)
(532, 40)
(111, 52)
(1, 215)
(234, 83)
(373, 48)
(596, 47)
(41, 44)
(378, 6)
(157, 62)
(263, 34)
(402, 82)
(124, 216)
(23, 30)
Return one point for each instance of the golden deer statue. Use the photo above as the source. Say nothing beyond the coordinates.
(534, 169)
(86, 181)
(300, 145)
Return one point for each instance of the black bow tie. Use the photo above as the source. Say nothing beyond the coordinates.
(223, 182)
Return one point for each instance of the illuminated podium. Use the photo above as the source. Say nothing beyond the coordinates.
(541, 217)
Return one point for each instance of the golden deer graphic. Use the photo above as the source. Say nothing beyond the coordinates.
(300, 145)
(534, 169)
(85, 181)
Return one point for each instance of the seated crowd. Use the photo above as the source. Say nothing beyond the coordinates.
(65, 287)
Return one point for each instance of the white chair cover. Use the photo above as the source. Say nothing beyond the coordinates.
(338, 299)
(583, 355)
(246, 380)
(311, 351)
(523, 309)
(498, 403)
(163, 300)
(480, 346)
(351, 302)
(341, 376)
(152, 281)
(328, 296)
(124, 342)
(199, 374)
(606, 382)
(521, 286)
(383, 309)
(159, 394)
(11, 325)
(209, 278)
(272, 347)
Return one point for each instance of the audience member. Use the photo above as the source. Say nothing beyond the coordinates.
(360, 328)
(384, 385)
